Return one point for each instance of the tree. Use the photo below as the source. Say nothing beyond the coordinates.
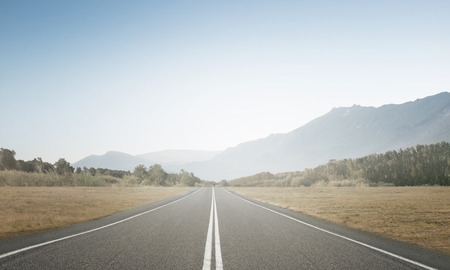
(140, 171)
(43, 167)
(38, 164)
(25, 166)
(173, 178)
(224, 183)
(7, 159)
(188, 179)
(157, 175)
(63, 167)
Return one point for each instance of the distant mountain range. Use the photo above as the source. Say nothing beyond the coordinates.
(122, 161)
(342, 133)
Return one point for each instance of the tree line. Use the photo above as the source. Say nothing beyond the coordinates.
(413, 166)
(154, 175)
(61, 167)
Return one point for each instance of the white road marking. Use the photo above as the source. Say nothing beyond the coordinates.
(208, 246)
(338, 235)
(93, 230)
(219, 264)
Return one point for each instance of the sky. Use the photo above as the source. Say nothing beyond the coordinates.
(86, 77)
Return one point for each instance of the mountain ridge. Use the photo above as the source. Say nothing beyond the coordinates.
(343, 132)
(122, 161)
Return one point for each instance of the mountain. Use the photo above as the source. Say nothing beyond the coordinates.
(122, 161)
(348, 132)
(176, 157)
(111, 160)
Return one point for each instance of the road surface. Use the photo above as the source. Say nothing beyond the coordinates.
(212, 228)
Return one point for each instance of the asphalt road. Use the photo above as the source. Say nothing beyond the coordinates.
(210, 228)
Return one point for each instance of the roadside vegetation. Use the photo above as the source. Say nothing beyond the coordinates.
(36, 195)
(402, 194)
(36, 172)
(414, 166)
(419, 215)
(31, 209)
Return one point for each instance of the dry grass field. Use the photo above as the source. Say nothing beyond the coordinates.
(419, 215)
(31, 209)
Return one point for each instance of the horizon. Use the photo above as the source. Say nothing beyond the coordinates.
(220, 151)
(85, 78)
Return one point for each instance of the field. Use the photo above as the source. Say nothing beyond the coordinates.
(419, 215)
(31, 209)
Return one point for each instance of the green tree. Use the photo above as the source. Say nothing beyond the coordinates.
(140, 171)
(157, 175)
(25, 166)
(62, 167)
(173, 178)
(188, 179)
(7, 159)
(38, 164)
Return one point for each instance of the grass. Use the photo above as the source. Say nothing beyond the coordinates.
(30, 209)
(24, 179)
(419, 215)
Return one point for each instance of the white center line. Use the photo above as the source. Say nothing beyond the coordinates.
(209, 240)
(219, 264)
(208, 246)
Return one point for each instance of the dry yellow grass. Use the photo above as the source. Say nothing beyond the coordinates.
(419, 215)
(31, 209)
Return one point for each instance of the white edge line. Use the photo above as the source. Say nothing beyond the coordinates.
(218, 251)
(93, 230)
(208, 245)
(340, 236)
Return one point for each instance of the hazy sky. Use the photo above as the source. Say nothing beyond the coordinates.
(85, 77)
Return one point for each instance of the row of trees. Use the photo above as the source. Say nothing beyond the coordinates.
(413, 166)
(420, 165)
(9, 162)
(103, 171)
(155, 175)
(61, 167)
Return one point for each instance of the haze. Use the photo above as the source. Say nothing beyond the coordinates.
(85, 77)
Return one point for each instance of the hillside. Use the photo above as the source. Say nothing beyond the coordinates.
(348, 132)
(112, 160)
(176, 157)
(413, 166)
(342, 133)
(127, 162)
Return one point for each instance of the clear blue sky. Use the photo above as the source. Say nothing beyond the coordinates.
(85, 77)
